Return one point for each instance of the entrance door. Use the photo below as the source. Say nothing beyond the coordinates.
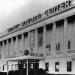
(32, 65)
(22, 67)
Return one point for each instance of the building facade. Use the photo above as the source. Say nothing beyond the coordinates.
(46, 40)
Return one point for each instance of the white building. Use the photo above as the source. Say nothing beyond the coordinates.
(47, 39)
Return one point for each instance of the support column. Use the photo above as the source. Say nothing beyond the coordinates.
(44, 40)
(73, 37)
(23, 41)
(74, 34)
(17, 52)
(20, 45)
(22, 50)
(0, 50)
(65, 35)
(28, 46)
(7, 68)
(54, 39)
(4, 43)
(7, 49)
(36, 40)
(3, 49)
(12, 46)
(27, 68)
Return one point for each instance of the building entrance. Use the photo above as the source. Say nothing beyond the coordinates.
(28, 67)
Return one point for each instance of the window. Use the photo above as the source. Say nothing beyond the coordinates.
(32, 40)
(0, 56)
(57, 66)
(69, 66)
(48, 47)
(40, 37)
(47, 66)
(0, 43)
(69, 44)
(3, 67)
(58, 47)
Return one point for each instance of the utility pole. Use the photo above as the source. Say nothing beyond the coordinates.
(27, 67)
(7, 68)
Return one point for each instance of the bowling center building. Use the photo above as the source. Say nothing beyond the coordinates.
(45, 41)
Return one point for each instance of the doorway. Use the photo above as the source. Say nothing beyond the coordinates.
(28, 67)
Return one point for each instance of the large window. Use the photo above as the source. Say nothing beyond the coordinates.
(40, 37)
(69, 66)
(57, 66)
(49, 33)
(32, 40)
(26, 43)
(59, 34)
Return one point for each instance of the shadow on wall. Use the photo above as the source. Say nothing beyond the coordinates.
(31, 72)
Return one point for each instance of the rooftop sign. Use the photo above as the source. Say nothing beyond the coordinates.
(39, 17)
(58, 7)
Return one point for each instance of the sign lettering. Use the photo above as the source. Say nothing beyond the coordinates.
(36, 18)
(36, 54)
(13, 28)
(58, 7)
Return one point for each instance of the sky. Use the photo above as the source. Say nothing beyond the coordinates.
(14, 12)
